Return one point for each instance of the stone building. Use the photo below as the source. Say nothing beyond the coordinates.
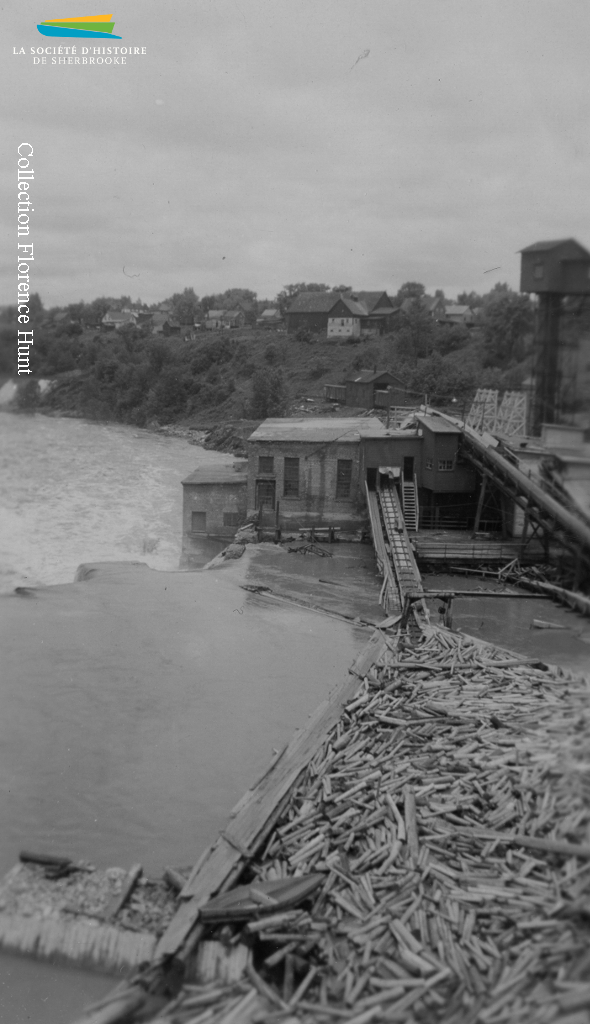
(214, 503)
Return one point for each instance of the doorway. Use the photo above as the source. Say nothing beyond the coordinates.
(265, 494)
(409, 467)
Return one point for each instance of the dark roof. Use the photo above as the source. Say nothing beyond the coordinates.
(548, 246)
(437, 424)
(314, 302)
(368, 376)
(356, 308)
(428, 302)
(371, 299)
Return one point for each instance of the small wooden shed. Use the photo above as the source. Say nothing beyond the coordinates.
(368, 389)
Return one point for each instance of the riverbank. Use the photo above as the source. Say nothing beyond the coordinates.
(446, 811)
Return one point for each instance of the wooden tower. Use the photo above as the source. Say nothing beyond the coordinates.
(551, 270)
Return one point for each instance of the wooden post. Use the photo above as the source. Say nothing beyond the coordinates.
(525, 530)
(482, 494)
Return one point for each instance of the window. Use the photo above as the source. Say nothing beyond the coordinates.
(538, 271)
(343, 478)
(429, 464)
(445, 465)
(266, 464)
(199, 522)
(231, 518)
(291, 484)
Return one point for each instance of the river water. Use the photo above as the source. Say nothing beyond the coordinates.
(139, 703)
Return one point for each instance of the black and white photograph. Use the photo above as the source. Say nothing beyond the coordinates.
(295, 512)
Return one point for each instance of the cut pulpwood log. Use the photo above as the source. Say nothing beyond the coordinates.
(118, 902)
(46, 859)
(248, 901)
(543, 624)
(217, 962)
(174, 878)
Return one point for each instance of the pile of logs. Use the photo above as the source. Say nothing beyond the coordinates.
(448, 811)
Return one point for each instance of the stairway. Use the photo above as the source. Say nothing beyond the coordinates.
(410, 504)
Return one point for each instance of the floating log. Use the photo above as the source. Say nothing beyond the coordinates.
(542, 624)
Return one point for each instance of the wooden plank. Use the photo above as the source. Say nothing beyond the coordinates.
(118, 902)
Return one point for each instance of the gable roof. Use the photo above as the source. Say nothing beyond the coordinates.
(314, 302)
(455, 310)
(271, 313)
(356, 308)
(548, 246)
(369, 376)
(113, 316)
(373, 299)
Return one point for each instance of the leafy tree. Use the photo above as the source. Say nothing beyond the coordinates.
(185, 306)
(415, 335)
(507, 321)
(410, 290)
(269, 394)
(471, 299)
(440, 380)
(229, 299)
(35, 306)
(450, 338)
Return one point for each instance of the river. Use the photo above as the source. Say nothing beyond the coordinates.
(139, 704)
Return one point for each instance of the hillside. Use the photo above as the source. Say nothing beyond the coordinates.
(134, 377)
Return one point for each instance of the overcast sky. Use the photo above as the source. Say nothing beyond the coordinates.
(264, 142)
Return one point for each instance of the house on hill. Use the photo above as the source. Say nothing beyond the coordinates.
(115, 319)
(164, 323)
(341, 314)
(457, 314)
(224, 319)
(270, 317)
(435, 305)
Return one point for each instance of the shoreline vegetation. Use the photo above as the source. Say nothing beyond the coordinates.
(195, 378)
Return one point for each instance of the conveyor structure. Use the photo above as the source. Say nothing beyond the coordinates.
(395, 558)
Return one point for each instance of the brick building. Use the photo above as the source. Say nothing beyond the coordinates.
(305, 472)
(213, 504)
